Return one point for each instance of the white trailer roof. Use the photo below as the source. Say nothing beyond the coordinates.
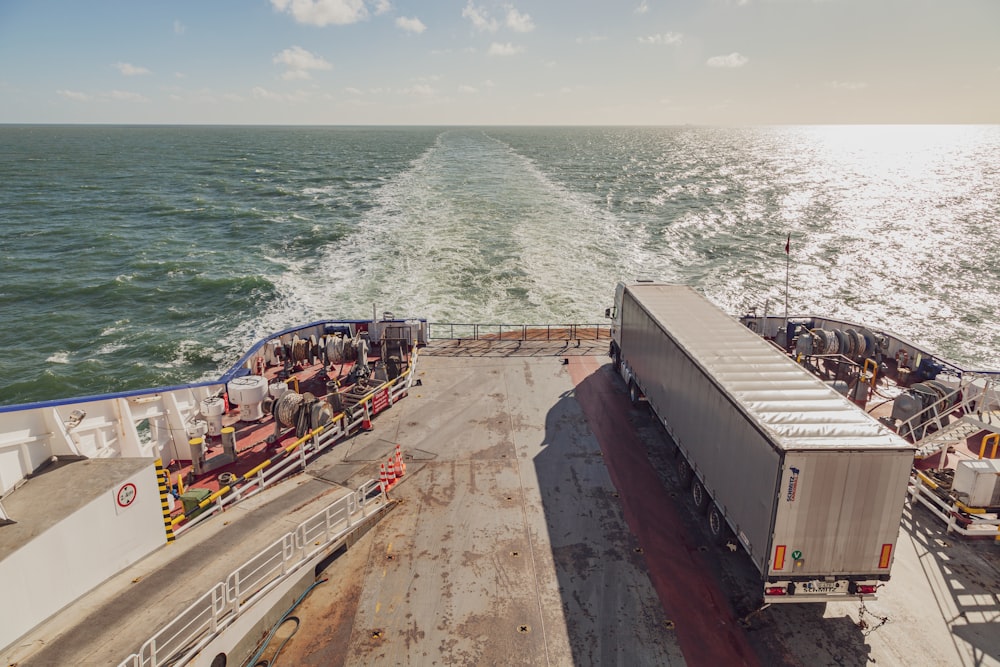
(796, 408)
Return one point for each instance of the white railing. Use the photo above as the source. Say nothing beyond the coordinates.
(188, 632)
(298, 455)
(955, 516)
(973, 401)
(517, 332)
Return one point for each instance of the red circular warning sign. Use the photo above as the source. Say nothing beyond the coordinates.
(126, 494)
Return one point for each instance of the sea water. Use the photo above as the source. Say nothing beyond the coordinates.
(133, 257)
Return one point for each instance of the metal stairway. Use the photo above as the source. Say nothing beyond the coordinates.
(942, 428)
(957, 431)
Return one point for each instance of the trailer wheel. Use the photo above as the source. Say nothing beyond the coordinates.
(684, 473)
(698, 495)
(634, 394)
(717, 527)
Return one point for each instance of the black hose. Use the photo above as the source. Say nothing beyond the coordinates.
(255, 660)
(274, 658)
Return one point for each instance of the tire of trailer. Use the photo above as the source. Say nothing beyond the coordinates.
(717, 526)
(634, 395)
(684, 473)
(699, 496)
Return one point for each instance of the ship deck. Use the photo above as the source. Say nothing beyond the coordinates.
(539, 523)
(257, 439)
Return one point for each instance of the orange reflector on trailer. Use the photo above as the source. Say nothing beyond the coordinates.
(779, 557)
(883, 561)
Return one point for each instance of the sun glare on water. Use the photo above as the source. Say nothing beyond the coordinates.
(894, 250)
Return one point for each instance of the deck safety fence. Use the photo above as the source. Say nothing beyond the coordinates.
(181, 638)
(921, 490)
(518, 332)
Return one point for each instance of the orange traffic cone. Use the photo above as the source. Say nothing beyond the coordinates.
(383, 478)
(400, 468)
(366, 422)
(390, 472)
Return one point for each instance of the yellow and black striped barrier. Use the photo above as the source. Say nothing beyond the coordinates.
(163, 481)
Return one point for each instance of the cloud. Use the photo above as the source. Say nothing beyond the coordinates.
(519, 22)
(508, 49)
(382, 6)
(74, 95)
(847, 85)
(260, 93)
(299, 62)
(411, 25)
(479, 18)
(419, 90)
(642, 8)
(469, 90)
(326, 12)
(130, 70)
(591, 39)
(668, 38)
(179, 28)
(732, 60)
(354, 91)
(124, 96)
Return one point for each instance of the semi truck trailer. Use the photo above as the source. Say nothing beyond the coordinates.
(809, 485)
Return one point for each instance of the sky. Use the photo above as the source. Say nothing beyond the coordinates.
(486, 62)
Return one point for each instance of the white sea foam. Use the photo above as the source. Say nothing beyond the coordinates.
(892, 226)
(482, 229)
(111, 348)
(59, 358)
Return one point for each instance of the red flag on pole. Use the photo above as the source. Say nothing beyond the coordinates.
(788, 241)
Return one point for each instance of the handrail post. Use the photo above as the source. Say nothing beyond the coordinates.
(215, 609)
(233, 591)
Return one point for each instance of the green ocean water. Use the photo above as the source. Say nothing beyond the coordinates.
(145, 256)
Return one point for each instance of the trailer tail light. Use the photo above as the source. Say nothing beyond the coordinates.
(776, 590)
(866, 589)
(779, 557)
(883, 560)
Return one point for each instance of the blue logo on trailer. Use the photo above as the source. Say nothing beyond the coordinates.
(793, 485)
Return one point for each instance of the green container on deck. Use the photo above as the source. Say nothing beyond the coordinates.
(191, 498)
